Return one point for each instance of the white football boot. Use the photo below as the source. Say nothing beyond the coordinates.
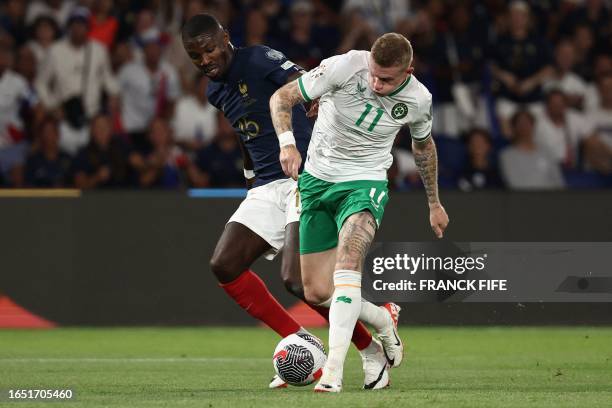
(330, 381)
(277, 382)
(375, 366)
(388, 336)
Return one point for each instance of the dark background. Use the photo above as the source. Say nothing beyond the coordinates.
(126, 258)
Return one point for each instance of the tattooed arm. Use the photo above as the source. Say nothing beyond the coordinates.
(281, 106)
(426, 159)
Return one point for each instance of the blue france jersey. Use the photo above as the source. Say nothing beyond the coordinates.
(243, 96)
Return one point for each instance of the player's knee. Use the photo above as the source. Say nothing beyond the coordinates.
(294, 287)
(225, 269)
(316, 294)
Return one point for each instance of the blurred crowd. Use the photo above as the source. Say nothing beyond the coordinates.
(100, 93)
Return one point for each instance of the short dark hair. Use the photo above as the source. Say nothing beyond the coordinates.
(555, 91)
(522, 112)
(200, 24)
(477, 131)
(392, 49)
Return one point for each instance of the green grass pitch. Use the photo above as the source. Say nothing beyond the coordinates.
(231, 367)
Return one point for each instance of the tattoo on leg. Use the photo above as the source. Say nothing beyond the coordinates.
(355, 238)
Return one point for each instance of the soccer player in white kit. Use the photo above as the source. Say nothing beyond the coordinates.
(365, 98)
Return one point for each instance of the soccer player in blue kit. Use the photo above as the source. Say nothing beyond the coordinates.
(267, 221)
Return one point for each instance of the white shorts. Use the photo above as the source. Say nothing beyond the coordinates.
(267, 209)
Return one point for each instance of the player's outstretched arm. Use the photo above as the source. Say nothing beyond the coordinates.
(426, 159)
(281, 106)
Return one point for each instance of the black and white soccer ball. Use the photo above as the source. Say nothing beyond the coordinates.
(299, 358)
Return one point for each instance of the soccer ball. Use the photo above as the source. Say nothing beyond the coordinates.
(299, 358)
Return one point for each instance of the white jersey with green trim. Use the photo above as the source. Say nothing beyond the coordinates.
(355, 127)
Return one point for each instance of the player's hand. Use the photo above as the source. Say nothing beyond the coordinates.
(291, 160)
(438, 219)
(313, 110)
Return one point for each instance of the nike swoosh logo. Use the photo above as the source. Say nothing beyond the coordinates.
(397, 340)
(387, 357)
(373, 383)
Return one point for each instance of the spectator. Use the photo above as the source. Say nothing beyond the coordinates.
(149, 89)
(256, 30)
(73, 78)
(144, 24)
(121, 54)
(520, 65)
(158, 165)
(524, 166)
(598, 151)
(59, 10)
(220, 163)
(175, 53)
(12, 20)
(563, 77)
(103, 162)
(592, 13)
(103, 25)
(27, 66)
(195, 121)
(47, 166)
(16, 102)
(458, 62)
(302, 44)
(560, 131)
(358, 34)
(584, 43)
(381, 16)
(601, 67)
(44, 32)
(481, 171)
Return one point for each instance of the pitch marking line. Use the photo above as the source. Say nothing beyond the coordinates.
(133, 360)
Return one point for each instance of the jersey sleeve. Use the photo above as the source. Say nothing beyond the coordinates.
(274, 65)
(329, 75)
(420, 126)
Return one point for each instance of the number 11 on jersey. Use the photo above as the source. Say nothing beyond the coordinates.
(364, 114)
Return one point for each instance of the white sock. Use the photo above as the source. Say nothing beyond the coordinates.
(343, 313)
(373, 315)
(370, 314)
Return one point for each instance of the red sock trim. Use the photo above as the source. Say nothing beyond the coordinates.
(252, 294)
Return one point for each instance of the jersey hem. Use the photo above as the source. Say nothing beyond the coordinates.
(342, 179)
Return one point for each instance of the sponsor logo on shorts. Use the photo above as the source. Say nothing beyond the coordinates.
(344, 299)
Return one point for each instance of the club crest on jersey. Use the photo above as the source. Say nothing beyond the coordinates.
(243, 88)
(361, 88)
(399, 111)
(274, 55)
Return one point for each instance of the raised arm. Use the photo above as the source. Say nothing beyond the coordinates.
(281, 106)
(426, 159)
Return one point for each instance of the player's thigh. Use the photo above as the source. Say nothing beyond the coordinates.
(237, 248)
(262, 212)
(358, 218)
(317, 275)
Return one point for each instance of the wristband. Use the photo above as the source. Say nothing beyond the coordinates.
(249, 174)
(286, 139)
